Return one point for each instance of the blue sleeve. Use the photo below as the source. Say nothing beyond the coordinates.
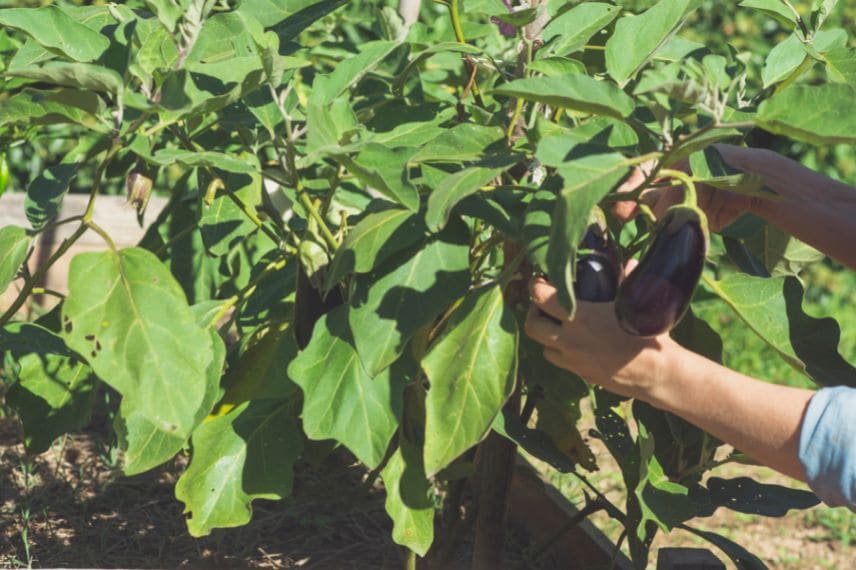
(828, 446)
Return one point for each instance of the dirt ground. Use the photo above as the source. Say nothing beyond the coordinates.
(68, 508)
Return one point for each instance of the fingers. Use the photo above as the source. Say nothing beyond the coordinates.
(625, 211)
(545, 298)
(541, 328)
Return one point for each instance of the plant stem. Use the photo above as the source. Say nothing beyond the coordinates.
(454, 13)
(690, 194)
(40, 274)
(800, 21)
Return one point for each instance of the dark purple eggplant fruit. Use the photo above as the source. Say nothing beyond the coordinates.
(597, 279)
(657, 294)
(309, 306)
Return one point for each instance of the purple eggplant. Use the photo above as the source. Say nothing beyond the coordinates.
(657, 294)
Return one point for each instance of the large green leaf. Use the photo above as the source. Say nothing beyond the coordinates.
(46, 192)
(772, 308)
(454, 188)
(307, 13)
(146, 443)
(841, 65)
(369, 243)
(461, 143)
(587, 180)
(783, 60)
(340, 400)
(209, 158)
(54, 390)
(574, 28)
(637, 38)
(575, 91)
(46, 106)
(79, 75)
(385, 170)
(472, 369)
(745, 495)
(742, 558)
(349, 71)
(14, 245)
(244, 455)
(408, 498)
(776, 9)
(779, 252)
(817, 114)
(126, 314)
(57, 31)
(388, 306)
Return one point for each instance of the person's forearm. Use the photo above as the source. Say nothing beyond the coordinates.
(814, 208)
(760, 419)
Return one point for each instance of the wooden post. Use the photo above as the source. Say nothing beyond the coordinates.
(688, 559)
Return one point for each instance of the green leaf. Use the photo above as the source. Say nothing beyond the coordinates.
(553, 66)
(46, 106)
(57, 31)
(841, 65)
(408, 498)
(821, 9)
(637, 38)
(775, 9)
(472, 369)
(452, 190)
(442, 47)
(573, 29)
(209, 158)
(783, 60)
(146, 443)
(386, 170)
(369, 243)
(79, 75)
(772, 308)
(340, 400)
(349, 71)
(576, 91)
(817, 114)
(708, 167)
(55, 390)
(261, 372)
(518, 18)
(742, 558)
(328, 125)
(536, 227)
(245, 455)
(126, 314)
(223, 224)
(587, 181)
(745, 495)
(389, 305)
(291, 27)
(461, 143)
(535, 442)
(14, 245)
(46, 192)
(780, 253)
(168, 12)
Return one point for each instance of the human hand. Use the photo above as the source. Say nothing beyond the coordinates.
(720, 206)
(595, 347)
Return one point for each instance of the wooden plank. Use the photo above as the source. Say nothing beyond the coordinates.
(112, 213)
(688, 559)
(538, 511)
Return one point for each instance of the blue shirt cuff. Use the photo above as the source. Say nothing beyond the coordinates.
(828, 446)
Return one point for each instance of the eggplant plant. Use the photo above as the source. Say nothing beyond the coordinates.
(355, 204)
